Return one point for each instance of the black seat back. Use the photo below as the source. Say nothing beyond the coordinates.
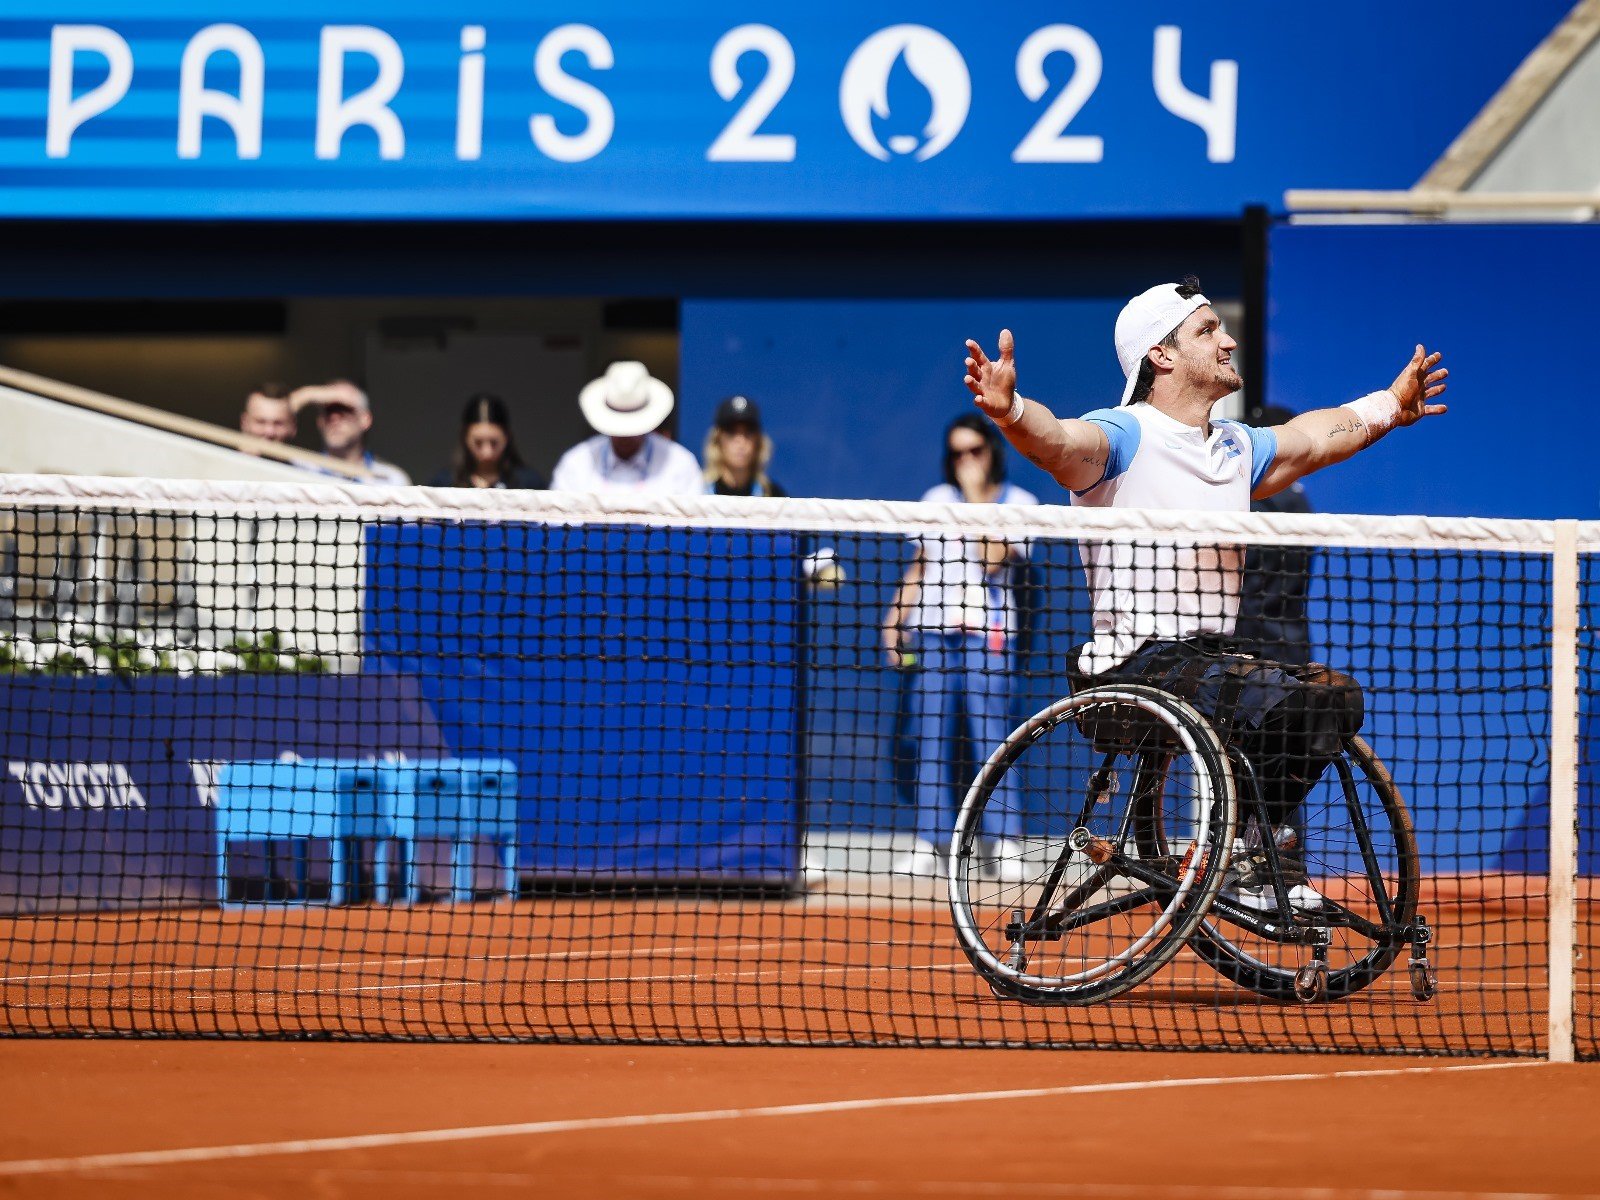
(1124, 729)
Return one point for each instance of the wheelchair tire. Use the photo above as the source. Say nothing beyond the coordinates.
(1100, 910)
(1355, 962)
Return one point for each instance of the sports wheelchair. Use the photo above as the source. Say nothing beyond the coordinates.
(1137, 815)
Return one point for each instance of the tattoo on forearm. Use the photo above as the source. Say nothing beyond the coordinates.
(1035, 457)
(1354, 425)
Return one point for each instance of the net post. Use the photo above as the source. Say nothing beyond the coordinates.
(1563, 787)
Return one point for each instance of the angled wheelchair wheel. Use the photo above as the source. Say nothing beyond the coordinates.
(1360, 852)
(1090, 845)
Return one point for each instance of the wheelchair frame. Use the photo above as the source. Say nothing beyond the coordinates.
(1152, 726)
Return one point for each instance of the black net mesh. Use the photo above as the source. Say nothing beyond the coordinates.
(708, 776)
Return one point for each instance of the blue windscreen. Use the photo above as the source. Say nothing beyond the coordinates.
(644, 682)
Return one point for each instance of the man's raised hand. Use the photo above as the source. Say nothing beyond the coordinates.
(992, 382)
(1420, 381)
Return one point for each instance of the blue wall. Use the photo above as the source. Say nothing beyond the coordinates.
(1452, 653)
(856, 393)
(1514, 309)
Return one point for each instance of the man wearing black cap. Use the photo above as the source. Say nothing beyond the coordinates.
(737, 452)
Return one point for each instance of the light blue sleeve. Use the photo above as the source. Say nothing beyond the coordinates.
(1122, 431)
(1263, 449)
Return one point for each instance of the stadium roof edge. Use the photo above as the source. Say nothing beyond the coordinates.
(1509, 108)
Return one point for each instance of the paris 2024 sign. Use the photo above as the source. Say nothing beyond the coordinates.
(498, 109)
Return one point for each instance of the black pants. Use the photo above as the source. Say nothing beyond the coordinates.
(1288, 719)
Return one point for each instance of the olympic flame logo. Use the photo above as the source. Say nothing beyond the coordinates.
(933, 62)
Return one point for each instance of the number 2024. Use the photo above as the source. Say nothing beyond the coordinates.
(1216, 114)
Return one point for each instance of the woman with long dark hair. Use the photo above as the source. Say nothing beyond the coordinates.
(954, 624)
(486, 453)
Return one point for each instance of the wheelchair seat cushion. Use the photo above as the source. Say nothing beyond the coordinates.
(1240, 693)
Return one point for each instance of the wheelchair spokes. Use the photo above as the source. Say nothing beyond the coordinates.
(1100, 898)
(1356, 849)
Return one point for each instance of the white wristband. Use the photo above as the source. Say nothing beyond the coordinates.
(1012, 417)
(1379, 412)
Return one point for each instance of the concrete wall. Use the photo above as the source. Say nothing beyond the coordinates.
(1556, 149)
(50, 438)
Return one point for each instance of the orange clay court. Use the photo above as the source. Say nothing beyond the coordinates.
(209, 1117)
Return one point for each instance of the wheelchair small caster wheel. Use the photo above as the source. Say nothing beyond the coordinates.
(1311, 983)
(1424, 983)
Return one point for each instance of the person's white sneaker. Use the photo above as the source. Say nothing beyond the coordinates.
(922, 860)
(1305, 898)
(1302, 898)
(1005, 862)
(1247, 885)
(1256, 899)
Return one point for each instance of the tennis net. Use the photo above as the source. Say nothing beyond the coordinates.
(345, 762)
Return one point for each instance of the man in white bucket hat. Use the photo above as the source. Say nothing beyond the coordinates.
(624, 407)
(1165, 615)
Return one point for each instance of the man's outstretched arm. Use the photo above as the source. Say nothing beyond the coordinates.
(1073, 452)
(1326, 436)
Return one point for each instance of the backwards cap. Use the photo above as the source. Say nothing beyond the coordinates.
(1144, 321)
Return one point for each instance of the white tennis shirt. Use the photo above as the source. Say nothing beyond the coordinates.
(1142, 591)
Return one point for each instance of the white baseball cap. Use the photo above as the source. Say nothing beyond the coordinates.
(1144, 321)
(627, 401)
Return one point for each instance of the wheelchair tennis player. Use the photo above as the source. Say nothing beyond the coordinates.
(1165, 618)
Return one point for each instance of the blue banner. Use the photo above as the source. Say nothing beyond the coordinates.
(502, 109)
(110, 785)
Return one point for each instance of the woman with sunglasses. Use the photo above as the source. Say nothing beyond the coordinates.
(954, 622)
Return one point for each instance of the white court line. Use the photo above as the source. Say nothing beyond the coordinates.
(989, 1187)
(118, 976)
(468, 1133)
(690, 977)
(325, 965)
(803, 1185)
(791, 979)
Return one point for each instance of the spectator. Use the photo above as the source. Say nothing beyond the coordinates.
(344, 415)
(954, 620)
(268, 414)
(486, 453)
(737, 451)
(624, 407)
(1277, 579)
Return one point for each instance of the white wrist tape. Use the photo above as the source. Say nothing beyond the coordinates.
(1012, 417)
(1379, 412)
